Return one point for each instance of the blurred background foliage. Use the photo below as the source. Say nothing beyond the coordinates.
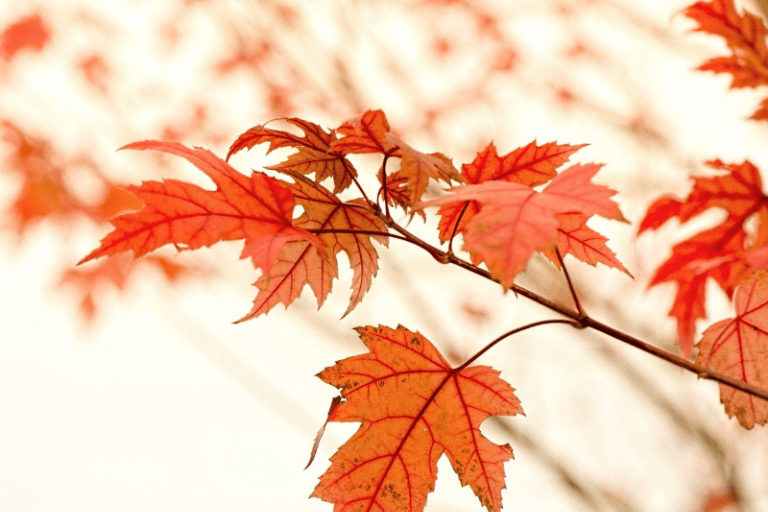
(124, 384)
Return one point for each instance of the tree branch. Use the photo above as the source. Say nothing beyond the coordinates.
(585, 320)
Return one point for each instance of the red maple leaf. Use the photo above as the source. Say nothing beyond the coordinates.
(370, 133)
(738, 348)
(343, 226)
(257, 209)
(722, 253)
(745, 35)
(514, 220)
(313, 154)
(414, 408)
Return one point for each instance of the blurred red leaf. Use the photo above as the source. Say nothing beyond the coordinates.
(720, 500)
(721, 253)
(115, 272)
(745, 35)
(30, 33)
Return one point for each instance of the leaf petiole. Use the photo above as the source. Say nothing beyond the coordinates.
(572, 323)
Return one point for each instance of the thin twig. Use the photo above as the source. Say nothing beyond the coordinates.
(384, 184)
(507, 334)
(586, 321)
(456, 227)
(570, 283)
(359, 232)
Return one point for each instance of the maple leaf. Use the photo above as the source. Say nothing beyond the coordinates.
(257, 209)
(582, 242)
(530, 165)
(312, 156)
(398, 190)
(116, 200)
(300, 263)
(514, 220)
(738, 348)
(413, 407)
(370, 133)
(722, 253)
(342, 226)
(745, 35)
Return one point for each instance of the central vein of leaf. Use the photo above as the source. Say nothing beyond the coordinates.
(407, 434)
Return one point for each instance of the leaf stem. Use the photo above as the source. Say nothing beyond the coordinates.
(507, 334)
(570, 283)
(456, 226)
(384, 184)
(358, 232)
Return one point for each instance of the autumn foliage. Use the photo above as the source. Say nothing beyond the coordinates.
(493, 214)
(413, 405)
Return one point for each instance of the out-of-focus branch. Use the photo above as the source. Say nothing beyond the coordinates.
(763, 6)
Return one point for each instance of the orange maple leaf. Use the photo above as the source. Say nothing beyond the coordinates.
(313, 154)
(514, 220)
(745, 35)
(722, 253)
(738, 347)
(413, 407)
(343, 226)
(257, 209)
(370, 133)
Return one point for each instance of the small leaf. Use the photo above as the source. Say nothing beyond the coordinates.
(312, 154)
(370, 133)
(301, 263)
(574, 237)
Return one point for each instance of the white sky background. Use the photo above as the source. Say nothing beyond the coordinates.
(163, 404)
